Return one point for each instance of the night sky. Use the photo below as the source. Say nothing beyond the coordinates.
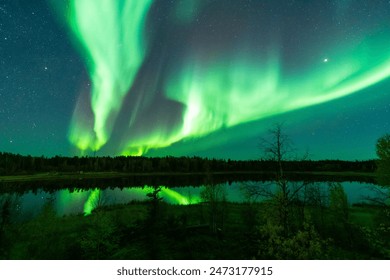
(193, 77)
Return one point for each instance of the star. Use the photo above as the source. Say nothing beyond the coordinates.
(326, 60)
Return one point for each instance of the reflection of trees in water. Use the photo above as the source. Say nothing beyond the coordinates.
(177, 180)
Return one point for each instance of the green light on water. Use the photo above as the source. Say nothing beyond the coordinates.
(92, 201)
(178, 198)
(67, 201)
(96, 198)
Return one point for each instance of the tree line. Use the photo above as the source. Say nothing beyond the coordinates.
(14, 164)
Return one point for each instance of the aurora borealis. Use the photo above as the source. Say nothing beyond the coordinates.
(114, 51)
(186, 77)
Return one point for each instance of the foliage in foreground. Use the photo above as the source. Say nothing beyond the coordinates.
(162, 231)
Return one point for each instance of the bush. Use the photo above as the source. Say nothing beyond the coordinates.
(304, 244)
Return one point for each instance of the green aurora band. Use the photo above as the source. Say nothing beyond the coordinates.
(110, 35)
(231, 91)
(232, 88)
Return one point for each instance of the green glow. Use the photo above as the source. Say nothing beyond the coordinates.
(217, 90)
(68, 200)
(110, 36)
(169, 195)
(232, 90)
(177, 198)
(154, 140)
(92, 201)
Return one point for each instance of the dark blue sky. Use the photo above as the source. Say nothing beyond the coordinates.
(212, 77)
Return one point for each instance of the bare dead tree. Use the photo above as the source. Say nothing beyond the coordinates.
(277, 147)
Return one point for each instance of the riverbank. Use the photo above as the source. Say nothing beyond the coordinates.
(56, 176)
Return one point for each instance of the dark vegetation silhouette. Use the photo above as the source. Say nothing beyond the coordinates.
(293, 217)
(301, 221)
(15, 164)
(383, 152)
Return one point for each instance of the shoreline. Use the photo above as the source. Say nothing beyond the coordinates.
(53, 176)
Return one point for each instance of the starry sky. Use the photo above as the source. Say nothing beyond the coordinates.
(193, 77)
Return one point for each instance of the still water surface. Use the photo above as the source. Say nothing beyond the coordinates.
(70, 201)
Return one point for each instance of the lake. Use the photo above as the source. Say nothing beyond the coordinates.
(28, 202)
